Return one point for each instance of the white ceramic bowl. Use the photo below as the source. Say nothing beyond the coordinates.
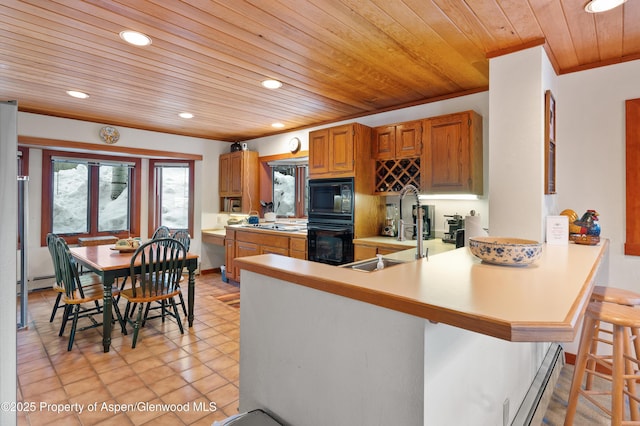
(505, 251)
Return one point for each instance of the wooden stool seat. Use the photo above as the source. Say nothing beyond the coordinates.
(622, 363)
(615, 295)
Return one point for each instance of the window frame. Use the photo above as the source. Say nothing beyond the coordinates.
(154, 211)
(47, 196)
(632, 158)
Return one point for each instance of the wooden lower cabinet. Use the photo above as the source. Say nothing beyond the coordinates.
(248, 242)
(365, 251)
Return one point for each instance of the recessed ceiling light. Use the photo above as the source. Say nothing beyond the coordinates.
(596, 6)
(277, 125)
(77, 94)
(186, 115)
(135, 38)
(272, 84)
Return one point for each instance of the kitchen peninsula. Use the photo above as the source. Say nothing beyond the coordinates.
(449, 340)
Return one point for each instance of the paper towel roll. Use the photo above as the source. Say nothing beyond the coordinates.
(473, 228)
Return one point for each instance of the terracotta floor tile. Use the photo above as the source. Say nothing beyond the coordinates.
(182, 395)
(37, 375)
(209, 383)
(143, 415)
(167, 385)
(83, 386)
(224, 395)
(82, 373)
(116, 374)
(126, 385)
(221, 363)
(168, 419)
(117, 420)
(196, 373)
(37, 388)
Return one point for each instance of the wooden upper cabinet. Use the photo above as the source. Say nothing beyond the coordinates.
(238, 179)
(319, 152)
(397, 141)
(453, 154)
(339, 151)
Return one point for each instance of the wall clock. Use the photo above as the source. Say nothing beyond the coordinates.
(294, 145)
(109, 134)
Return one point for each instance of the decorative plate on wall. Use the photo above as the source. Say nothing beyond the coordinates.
(109, 134)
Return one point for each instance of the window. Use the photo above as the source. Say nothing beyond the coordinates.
(289, 185)
(89, 195)
(171, 197)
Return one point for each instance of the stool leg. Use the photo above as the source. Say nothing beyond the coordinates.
(617, 383)
(635, 333)
(588, 329)
(591, 363)
(630, 368)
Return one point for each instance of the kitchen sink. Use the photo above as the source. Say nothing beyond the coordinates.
(371, 265)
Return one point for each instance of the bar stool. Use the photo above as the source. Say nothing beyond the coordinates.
(621, 297)
(623, 378)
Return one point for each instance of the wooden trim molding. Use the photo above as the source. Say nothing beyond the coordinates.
(63, 145)
(632, 242)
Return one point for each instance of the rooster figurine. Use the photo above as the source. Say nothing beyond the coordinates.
(586, 225)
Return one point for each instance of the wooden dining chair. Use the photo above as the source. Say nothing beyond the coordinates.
(79, 301)
(161, 232)
(183, 236)
(156, 268)
(87, 279)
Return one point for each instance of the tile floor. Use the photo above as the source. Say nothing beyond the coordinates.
(197, 371)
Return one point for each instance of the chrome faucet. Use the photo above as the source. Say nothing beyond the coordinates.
(419, 234)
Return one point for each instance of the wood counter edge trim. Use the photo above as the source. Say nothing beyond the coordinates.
(513, 332)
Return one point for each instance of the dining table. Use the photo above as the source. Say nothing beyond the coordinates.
(111, 264)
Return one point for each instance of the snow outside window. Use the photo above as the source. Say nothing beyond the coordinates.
(172, 190)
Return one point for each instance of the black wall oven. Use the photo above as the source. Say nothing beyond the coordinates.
(330, 227)
(332, 244)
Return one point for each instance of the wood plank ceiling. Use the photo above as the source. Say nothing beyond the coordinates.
(337, 58)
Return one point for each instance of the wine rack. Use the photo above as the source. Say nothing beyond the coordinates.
(393, 175)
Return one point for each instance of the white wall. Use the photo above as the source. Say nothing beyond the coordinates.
(591, 155)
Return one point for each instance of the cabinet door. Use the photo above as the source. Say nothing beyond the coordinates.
(274, 250)
(224, 175)
(229, 255)
(448, 154)
(236, 173)
(408, 140)
(384, 143)
(341, 149)
(319, 152)
(361, 252)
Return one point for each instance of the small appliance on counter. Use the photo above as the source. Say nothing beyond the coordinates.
(455, 223)
(390, 225)
(428, 214)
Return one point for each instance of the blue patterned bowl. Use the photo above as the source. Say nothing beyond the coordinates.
(505, 251)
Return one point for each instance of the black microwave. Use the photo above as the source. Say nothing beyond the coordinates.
(331, 199)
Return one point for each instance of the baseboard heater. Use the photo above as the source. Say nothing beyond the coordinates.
(536, 401)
